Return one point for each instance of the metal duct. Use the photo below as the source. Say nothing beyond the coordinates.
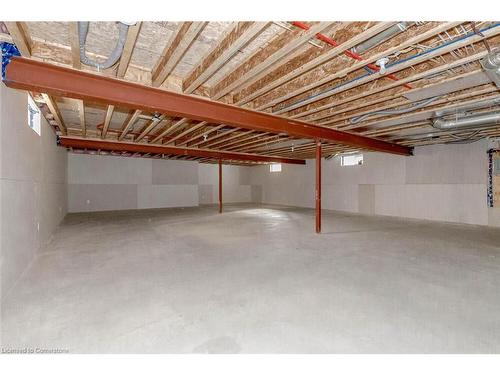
(83, 29)
(491, 65)
(467, 122)
(468, 107)
(382, 37)
(399, 111)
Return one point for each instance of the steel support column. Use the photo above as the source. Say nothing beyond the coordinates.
(220, 186)
(318, 187)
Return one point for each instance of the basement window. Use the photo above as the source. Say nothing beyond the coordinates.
(33, 115)
(351, 159)
(275, 167)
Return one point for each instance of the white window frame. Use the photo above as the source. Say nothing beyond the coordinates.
(33, 115)
(275, 167)
(358, 156)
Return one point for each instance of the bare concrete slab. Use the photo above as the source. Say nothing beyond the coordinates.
(257, 279)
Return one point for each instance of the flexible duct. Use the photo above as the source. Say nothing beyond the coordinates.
(423, 103)
(83, 29)
(467, 122)
(491, 66)
(382, 37)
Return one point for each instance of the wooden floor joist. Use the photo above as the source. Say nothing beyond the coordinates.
(33, 75)
(97, 144)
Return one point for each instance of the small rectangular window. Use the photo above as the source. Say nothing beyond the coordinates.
(275, 167)
(33, 115)
(351, 159)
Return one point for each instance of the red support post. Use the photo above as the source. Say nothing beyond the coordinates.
(318, 186)
(220, 186)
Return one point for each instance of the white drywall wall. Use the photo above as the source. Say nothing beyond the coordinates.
(441, 182)
(32, 186)
(100, 183)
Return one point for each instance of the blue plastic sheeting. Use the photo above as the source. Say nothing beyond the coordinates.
(8, 50)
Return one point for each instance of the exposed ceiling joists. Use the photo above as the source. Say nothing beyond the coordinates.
(279, 57)
(179, 44)
(21, 37)
(107, 120)
(240, 35)
(28, 74)
(132, 34)
(74, 42)
(54, 110)
(95, 144)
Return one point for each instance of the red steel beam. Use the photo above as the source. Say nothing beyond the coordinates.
(99, 144)
(26, 74)
(318, 187)
(220, 186)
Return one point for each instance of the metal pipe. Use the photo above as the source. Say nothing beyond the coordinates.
(467, 122)
(399, 111)
(382, 37)
(468, 107)
(318, 187)
(348, 53)
(491, 66)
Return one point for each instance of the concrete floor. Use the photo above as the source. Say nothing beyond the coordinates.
(258, 280)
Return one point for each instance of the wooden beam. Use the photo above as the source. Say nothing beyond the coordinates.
(128, 49)
(177, 47)
(321, 59)
(74, 42)
(128, 125)
(107, 120)
(21, 37)
(201, 135)
(279, 57)
(169, 130)
(360, 64)
(143, 148)
(185, 132)
(416, 77)
(154, 122)
(240, 35)
(371, 77)
(51, 104)
(81, 115)
(34, 75)
(232, 130)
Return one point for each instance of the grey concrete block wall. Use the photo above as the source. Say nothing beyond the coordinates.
(33, 196)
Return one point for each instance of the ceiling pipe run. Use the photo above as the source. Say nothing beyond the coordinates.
(491, 66)
(467, 122)
(468, 107)
(382, 37)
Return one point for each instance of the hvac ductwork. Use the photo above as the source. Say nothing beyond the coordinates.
(83, 29)
(468, 107)
(467, 122)
(382, 37)
(491, 65)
